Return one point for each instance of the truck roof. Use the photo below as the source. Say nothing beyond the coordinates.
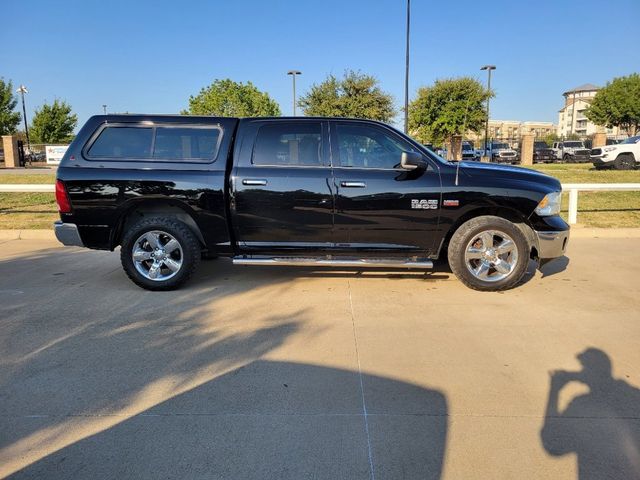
(169, 116)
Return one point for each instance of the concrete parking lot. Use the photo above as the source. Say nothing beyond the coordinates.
(261, 373)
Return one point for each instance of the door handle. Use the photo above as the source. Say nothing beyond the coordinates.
(353, 184)
(254, 181)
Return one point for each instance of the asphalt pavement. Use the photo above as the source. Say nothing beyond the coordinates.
(297, 373)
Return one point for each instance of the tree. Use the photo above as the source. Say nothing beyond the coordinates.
(550, 138)
(53, 123)
(617, 104)
(450, 107)
(355, 95)
(226, 98)
(9, 119)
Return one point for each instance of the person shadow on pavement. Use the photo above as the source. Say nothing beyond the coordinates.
(602, 427)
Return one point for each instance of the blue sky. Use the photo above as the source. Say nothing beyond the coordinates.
(149, 56)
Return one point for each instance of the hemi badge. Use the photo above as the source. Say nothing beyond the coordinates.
(450, 203)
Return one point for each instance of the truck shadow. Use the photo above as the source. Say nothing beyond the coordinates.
(100, 379)
(82, 348)
(269, 420)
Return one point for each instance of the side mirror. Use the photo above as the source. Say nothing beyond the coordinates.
(412, 161)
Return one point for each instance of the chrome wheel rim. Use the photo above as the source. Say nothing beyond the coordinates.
(491, 256)
(157, 255)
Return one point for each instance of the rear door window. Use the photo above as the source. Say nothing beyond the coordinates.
(289, 143)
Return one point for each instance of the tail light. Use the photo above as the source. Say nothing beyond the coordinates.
(62, 198)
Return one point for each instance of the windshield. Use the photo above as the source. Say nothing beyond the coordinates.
(540, 145)
(499, 145)
(466, 146)
(632, 139)
(574, 144)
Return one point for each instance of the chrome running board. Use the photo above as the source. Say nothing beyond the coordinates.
(333, 262)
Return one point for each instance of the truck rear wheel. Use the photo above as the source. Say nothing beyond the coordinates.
(488, 253)
(159, 253)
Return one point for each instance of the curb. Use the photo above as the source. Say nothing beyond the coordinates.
(586, 232)
(576, 232)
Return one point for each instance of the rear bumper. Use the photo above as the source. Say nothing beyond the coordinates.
(67, 234)
(552, 244)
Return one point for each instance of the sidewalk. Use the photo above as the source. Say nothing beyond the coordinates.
(289, 373)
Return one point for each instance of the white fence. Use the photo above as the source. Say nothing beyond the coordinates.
(572, 188)
(27, 188)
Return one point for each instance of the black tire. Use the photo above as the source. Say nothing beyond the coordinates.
(470, 230)
(624, 161)
(189, 253)
(566, 158)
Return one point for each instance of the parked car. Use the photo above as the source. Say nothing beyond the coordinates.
(571, 151)
(468, 152)
(502, 153)
(305, 191)
(623, 156)
(542, 153)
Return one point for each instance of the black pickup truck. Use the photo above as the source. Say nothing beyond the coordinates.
(334, 192)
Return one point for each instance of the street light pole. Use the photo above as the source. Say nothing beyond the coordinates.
(406, 72)
(22, 90)
(293, 73)
(104, 109)
(488, 68)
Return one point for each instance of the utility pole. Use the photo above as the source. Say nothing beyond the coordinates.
(488, 68)
(22, 90)
(406, 73)
(293, 73)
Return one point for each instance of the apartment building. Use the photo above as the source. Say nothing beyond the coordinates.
(513, 129)
(571, 117)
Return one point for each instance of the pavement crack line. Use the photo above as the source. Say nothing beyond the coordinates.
(364, 403)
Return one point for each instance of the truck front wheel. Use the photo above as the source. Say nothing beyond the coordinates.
(488, 253)
(159, 253)
(624, 161)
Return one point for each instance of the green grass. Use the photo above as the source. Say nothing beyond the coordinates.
(14, 178)
(599, 209)
(585, 173)
(595, 209)
(27, 210)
